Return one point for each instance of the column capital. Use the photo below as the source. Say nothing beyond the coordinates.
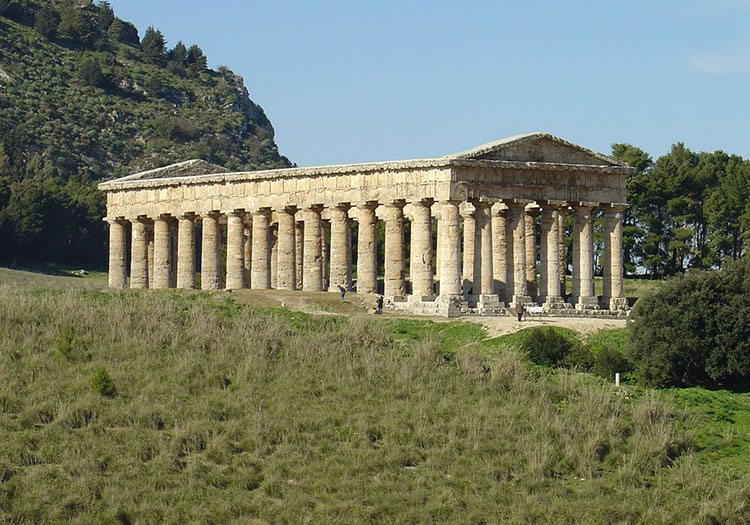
(115, 220)
(290, 209)
(516, 203)
(614, 207)
(532, 209)
(423, 202)
(552, 205)
(498, 209)
(584, 205)
(265, 210)
(187, 215)
(239, 212)
(343, 206)
(212, 213)
(395, 203)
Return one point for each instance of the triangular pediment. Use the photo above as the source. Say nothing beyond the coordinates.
(188, 168)
(537, 147)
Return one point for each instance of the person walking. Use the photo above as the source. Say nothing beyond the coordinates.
(520, 310)
(379, 305)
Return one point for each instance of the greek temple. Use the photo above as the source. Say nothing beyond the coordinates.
(471, 232)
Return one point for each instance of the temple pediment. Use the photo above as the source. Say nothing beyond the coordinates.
(187, 168)
(536, 147)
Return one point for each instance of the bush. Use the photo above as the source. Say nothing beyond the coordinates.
(551, 347)
(101, 383)
(693, 330)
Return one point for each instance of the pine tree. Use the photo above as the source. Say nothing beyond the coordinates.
(153, 44)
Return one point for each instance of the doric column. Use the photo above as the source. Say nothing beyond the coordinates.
(449, 230)
(139, 254)
(531, 213)
(469, 251)
(549, 278)
(186, 251)
(420, 267)
(210, 251)
(273, 239)
(312, 280)
(560, 214)
(341, 259)
(483, 274)
(299, 253)
(247, 250)
(260, 267)
(235, 250)
(394, 249)
(613, 263)
(118, 277)
(367, 262)
(325, 255)
(287, 262)
(499, 249)
(162, 246)
(516, 239)
(150, 253)
(583, 253)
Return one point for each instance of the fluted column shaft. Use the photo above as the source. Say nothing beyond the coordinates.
(139, 254)
(516, 239)
(299, 253)
(394, 250)
(560, 214)
(286, 263)
(483, 268)
(583, 254)
(549, 281)
(531, 252)
(118, 277)
(260, 267)
(499, 250)
(469, 253)
(247, 252)
(420, 268)
(449, 230)
(340, 253)
(367, 262)
(313, 263)
(235, 251)
(162, 245)
(186, 252)
(613, 262)
(210, 252)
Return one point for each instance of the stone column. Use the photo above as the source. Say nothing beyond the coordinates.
(468, 253)
(549, 279)
(420, 268)
(394, 250)
(273, 239)
(484, 274)
(450, 249)
(583, 254)
(299, 253)
(340, 252)
(530, 221)
(139, 254)
(516, 239)
(210, 251)
(186, 252)
(150, 253)
(613, 263)
(247, 252)
(499, 250)
(561, 249)
(367, 261)
(260, 267)
(235, 250)
(312, 280)
(118, 277)
(325, 259)
(287, 261)
(162, 247)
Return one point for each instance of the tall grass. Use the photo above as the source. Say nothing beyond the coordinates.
(223, 413)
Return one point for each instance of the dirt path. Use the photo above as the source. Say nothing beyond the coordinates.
(497, 326)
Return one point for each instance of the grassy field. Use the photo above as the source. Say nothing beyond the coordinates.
(126, 407)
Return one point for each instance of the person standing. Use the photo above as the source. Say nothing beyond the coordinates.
(520, 310)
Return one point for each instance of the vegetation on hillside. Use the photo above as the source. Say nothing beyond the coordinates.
(190, 407)
(84, 99)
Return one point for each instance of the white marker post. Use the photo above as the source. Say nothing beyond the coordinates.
(617, 378)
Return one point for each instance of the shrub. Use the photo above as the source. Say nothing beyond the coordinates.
(101, 383)
(548, 346)
(693, 330)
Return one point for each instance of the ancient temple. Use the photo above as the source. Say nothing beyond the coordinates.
(484, 228)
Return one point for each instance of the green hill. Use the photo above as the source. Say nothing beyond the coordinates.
(83, 99)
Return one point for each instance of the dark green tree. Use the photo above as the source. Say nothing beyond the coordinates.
(106, 15)
(196, 61)
(153, 45)
(90, 72)
(46, 22)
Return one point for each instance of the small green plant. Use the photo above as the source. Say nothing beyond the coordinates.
(63, 343)
(101, 383)
(550, 347)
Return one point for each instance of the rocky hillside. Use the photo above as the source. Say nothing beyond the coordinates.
(84, 98)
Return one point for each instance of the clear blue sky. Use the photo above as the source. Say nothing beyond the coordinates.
(355, 81)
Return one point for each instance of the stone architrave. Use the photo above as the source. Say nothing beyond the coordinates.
(394, 250)
(235, 250)
(613, 298)
(367, 263)
(340, 251)
(449, 231)
(420, 269)
(583, 257)
(139, 254)
(499, 249)
(118, 277)
(287, 261)
(312, 281)
(186, 252)
(162, 245)
(210, 252)
(261, 264)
